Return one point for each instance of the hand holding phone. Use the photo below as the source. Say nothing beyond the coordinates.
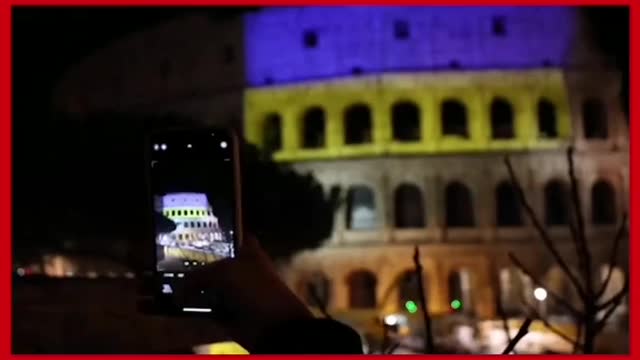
(195, 207)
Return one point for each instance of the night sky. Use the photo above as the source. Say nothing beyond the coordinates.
(47, 41)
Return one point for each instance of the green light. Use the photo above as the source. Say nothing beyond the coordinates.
(411, 306)
(456, 304)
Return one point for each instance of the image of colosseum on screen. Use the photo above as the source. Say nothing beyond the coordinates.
(190, 234)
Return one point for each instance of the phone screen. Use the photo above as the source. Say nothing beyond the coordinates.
(194, 194)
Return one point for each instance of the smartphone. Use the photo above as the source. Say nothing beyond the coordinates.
(194, 203)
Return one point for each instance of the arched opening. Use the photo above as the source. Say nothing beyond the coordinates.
(454, 119)
(361, 208)
(512, 291)
(507, 205)
(405, 118)
(313, 128)
(272, 133)
(558, 283)
(317, 290)
(459, 206)
(460, 291)
(502, 119)
(603, 204)
(408, 207)
(362, 289)
(547, 120)
(358, 124)
(409, 290)
(556, 200)
(594, 118)
(614, 286)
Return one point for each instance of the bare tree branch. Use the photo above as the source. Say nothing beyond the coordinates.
(579, 328)
(622, 230)
(391, 348)
(524, 330)
(537, 281)
(617, 297)
(603, 322)
(582, 248)
(544, 236)
(552, 328)
(505, 322)
(319, 303)
(428, 335)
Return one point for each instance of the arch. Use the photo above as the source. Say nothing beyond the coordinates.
(313, 128)
(405, 119)
(362, 289)
(272, 133)
(594, 119)
(408, 207)
(408, 289)
(603, 203)
(454, 118)
(502, 123)
(557, 282)
(556, 203)
(358, 124)
(547, 119)
(459, 282)
(507, 205)
(513, 291)
(361, 208)
(317, 288)
(459, 206)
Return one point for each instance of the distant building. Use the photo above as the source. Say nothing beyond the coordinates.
(411, 110)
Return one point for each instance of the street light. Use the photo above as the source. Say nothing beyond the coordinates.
(540, 294)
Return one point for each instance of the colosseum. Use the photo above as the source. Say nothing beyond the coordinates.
(411, 110)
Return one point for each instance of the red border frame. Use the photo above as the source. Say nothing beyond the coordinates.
(5, 130)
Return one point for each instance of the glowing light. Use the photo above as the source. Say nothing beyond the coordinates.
(163, 146)
(391, 320)
(201, 310)
(223, 144)
(411, 307)
(20, 272)
(156, 147)
(540, 294)
(92, 275)
(189, 146)
(456, 304)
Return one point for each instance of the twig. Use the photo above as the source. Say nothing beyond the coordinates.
(391, 348)
(617, 297)
(524, 330)
(579, 328)
(500, 308)
(553, 329)
(601, 324)
(428, 340)
(505, 322)
(319, 303)
(584, 255)
(540, 229)
(551, 294)
(614, 255)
